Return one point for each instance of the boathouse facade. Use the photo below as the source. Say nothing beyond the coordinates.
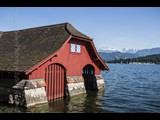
(50, 61)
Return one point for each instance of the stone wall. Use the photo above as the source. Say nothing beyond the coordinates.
(75, 85)
(29, 93)
(35, 96)
(100, 82)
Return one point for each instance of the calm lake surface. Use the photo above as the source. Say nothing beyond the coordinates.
(129, 88)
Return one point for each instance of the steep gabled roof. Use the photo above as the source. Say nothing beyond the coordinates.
(34, 45)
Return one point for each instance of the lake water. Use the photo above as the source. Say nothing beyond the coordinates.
(129, 88)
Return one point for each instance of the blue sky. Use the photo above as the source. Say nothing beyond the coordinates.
(113, 27)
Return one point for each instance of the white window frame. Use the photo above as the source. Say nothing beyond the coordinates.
(75, 48)
(78, 48)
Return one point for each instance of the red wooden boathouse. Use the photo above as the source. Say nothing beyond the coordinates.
(63, 57)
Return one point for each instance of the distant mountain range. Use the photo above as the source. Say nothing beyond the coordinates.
(152, 59)
(124, 50)
(145, 52)
(112, 54)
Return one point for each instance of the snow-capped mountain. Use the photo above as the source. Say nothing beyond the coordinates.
(111, 53)
(124, 50)
(107, 50)
(129, 50)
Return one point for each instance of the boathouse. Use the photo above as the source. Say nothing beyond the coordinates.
(49, 62)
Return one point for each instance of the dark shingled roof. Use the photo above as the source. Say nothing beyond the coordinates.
(1, 34)
(34, 45)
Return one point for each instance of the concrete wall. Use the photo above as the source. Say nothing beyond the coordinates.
(100, 82)
(35, 96)
(76, 86)
(29, 93)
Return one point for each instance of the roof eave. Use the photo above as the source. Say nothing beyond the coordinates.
(82, 38)
(106, 68)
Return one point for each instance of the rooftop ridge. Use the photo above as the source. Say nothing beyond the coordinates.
(38, 27)
(73, 31)
(66, 27)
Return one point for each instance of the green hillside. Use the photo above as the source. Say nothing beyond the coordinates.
(147, 59)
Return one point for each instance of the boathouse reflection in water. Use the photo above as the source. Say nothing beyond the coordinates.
(84, 103)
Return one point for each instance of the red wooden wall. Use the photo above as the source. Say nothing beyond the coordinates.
(73, 62)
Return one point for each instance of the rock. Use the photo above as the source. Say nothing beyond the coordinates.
(11, 101)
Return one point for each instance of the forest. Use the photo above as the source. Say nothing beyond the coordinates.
(155, 59)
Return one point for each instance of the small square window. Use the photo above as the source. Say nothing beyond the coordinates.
(73, 48)
(78, 49)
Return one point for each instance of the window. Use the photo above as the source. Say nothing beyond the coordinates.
(75, 48)
(78, 50)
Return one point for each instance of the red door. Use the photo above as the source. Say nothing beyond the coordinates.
(54, 77)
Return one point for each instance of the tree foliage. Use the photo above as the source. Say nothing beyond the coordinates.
(147, 59)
